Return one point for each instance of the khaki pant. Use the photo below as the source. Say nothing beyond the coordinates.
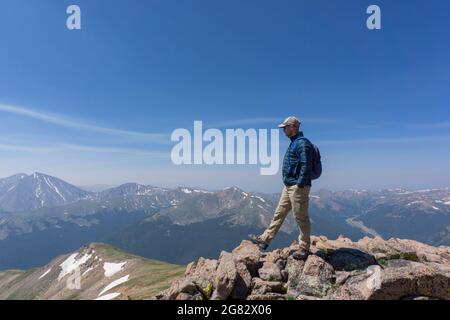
(297, 199)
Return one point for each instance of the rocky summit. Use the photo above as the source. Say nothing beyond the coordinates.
(369, 269)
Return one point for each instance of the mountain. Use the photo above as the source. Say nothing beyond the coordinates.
(228, 216)
(7, 183)
(30, 238)
(95, 272)
(177, 234)
(159, 223)
(96, 187)
(422, 215)
(21, 192)
(369, 269)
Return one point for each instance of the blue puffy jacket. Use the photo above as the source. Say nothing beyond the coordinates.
(297, 163)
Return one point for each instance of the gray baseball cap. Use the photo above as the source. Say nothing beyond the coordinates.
(289, 121)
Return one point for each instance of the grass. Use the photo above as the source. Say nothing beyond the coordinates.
(411, 256)
(113, 253)
(334, 286)
(151, 277)
(382, 262)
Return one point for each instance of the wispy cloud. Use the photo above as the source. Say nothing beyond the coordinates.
(82, 125)
(24, 148)
(273, 121)
(385, 140)
(138, 152)
(435, 125)
(81, 148)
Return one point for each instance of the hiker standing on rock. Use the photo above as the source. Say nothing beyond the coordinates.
(298, 163)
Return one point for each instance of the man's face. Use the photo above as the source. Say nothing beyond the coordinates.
(290, 130)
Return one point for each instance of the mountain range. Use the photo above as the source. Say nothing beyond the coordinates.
(42, 217)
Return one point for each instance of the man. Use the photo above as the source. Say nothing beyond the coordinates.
(297, 167)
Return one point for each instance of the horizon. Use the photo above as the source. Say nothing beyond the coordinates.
(98, 105)
(103, 187)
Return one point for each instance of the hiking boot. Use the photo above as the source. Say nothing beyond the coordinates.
(301, 254)
(257, 240)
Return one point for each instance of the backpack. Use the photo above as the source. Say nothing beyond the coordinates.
(316, 171)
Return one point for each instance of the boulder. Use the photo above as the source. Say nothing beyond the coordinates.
(369, 269)
(225, 277)
(243, 282)
(316, 278)
(268, 296)
(270, 272)
(248, 253)
(294, 268)
(180, 286)
(262, 287)
(400, 279)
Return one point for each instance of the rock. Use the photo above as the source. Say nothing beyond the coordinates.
(184, 296)
(225, 277)
(440, 268)
(389, 250)
(317, 267)
(425, 253)
(336, 269)
(316, 277)
(277, 257)
(205, 268)
(270, 272)
(406, 278)
(180, 286)
(190, 269)
(203, 275)
(342, 276)
(268, 296)
(281, 264)
(294, 269)
(262, 287)
(248, 254)
(243, 282)
(285, 275)
(303, 297)
(199, 279)
(287, 252)
(376, 247)
(400, 279)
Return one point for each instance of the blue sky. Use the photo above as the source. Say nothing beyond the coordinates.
(97, 106)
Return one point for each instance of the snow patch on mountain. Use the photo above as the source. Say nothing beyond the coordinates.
(45, 273)
(109, 296)
(115, 284)
(202, 191)
(112, 268)
(86, 272)
(71, 263)
(415, 202)
(258, 197)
